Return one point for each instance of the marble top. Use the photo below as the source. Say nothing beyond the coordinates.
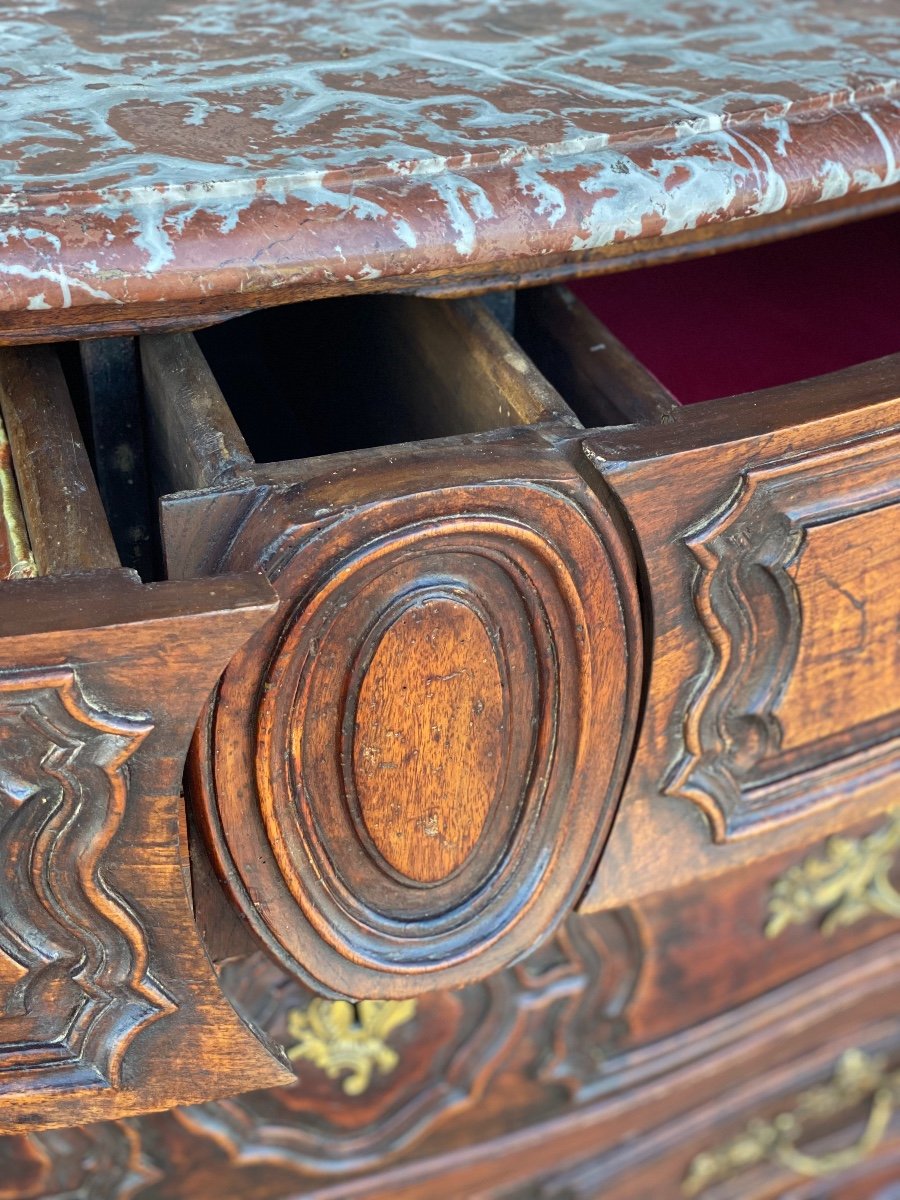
(174, 150)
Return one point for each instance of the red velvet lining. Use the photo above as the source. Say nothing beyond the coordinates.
(749, 319)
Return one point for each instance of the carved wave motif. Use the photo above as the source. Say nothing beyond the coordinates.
(749, 607)
(752, 614)
(84, 989)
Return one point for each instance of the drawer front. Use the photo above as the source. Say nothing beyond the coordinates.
(609, 1026)
(407, 754)
(852, 1110)
(407, 778)
(769, 528)
(104, 986)
(325, 772)
(822, 1128)
(553, 1078)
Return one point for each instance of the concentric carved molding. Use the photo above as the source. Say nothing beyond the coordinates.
(438, 723)
(76, 984)
(752, 615)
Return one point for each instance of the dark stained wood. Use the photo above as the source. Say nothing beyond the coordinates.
(436, 732)
(458, 624)
(526, 650)
(440, 369)
(106, 995)
(768, 527)
(848, 660)
(112, 384)
(604, 1063)
(457, 356)
(421, 371)
(83, 682)
(600, 378)
(192, 429)
(67, 526)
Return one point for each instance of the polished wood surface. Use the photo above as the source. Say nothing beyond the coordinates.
(109, 1004)
(608, 1062)
(452, 643)
(68, 530)
(539, 837)
(737, 746)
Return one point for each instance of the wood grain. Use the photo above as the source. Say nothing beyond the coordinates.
(532, 1082)
(848, 664)
(537, 575)
(458, 625)
(67, 526)
(104, 985)
(430, 709)
(199, 443)
(117, 1010)
(726, 503)
(600, 378)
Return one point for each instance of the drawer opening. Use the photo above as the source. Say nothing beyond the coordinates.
(751, 319)
(601, 379)
(349, 374)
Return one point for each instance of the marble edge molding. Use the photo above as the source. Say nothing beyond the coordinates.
(186, 242)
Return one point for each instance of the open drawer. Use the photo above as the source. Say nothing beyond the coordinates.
(105, 990)
(407, 776)
(769, 532)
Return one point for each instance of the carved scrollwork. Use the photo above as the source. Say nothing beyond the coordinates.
(742, 588)
(104, 1161)
(77, 987)
(568, 1001)
(440, 716)
(751, 613)
(566, 1006)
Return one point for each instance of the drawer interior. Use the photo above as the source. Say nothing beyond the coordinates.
(16, 558)
(53, 518)
(749, 319)
(349, 374)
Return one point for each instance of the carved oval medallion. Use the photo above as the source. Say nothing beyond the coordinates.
(407, 779)
(426, 736)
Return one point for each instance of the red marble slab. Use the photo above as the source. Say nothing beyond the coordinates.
(182, 150)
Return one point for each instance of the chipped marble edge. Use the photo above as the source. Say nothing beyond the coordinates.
(193, 241)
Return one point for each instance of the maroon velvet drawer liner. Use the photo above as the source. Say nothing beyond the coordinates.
(749, 319)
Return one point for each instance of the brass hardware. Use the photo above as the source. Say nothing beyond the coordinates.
(857, 1078)
(21, 561)
(338, 1036)
(849, 880)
